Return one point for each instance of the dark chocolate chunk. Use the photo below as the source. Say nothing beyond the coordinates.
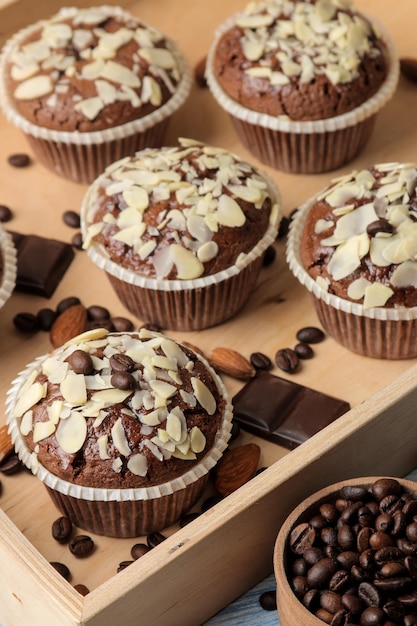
(283, 411)
(41, 263)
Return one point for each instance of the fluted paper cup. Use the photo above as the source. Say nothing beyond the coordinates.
(9, 266)
(183, 305)
(82, 156)
(304, 147)
(121, 512)
(379, 332)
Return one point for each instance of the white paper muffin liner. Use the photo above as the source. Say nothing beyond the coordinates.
(379, 332)
(132, 511)
(82, 156)
(182, 304)
(309, 147)
(9, 256)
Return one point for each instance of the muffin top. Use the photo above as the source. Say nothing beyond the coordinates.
(179, 213)
(360, 236)
(120, 410)
(300, 59)
(91, 69)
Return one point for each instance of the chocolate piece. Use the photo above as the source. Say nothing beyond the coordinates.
(283, 411)
(41, 263)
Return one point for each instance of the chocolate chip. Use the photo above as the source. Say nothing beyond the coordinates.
(19, 160)
(66, 303)
(97, 312)
(62, 569)
(77, 241)
(46, 317)
(62, 529)
(310, 334)
(81, 546)
(268, 600)
(287, 360)
(82, 589)
(81, 362)
(260, 361)
(138, 550)
(122, 324)
(26, 322)
(5, 213)
(71, 219)
(284, 227)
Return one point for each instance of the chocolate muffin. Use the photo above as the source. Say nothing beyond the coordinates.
(181, 232)
(95, 70)
(127, 416)
(283, 62)
(353, 246)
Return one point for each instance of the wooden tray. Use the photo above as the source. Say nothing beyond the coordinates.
(199, 569)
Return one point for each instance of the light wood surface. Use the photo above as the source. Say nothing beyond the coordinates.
(380, 392)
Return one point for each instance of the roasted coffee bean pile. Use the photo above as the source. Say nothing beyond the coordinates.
(288, 359)
(354, 562)
(97, 316)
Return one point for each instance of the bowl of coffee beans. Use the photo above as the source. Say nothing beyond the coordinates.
(347, 556)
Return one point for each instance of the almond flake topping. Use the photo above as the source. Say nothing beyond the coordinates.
(308, 39)
(81, 404)
(375, 215)
(69, 46)
(207, 189)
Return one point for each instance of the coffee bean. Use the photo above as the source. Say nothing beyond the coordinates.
(372, 616)
(269, 256)
(350, 492)
(321, 572)
(411, 532)
(26, 322)
(155, 328)
(66, 303)
(81, 362)
(122, 324)
(107, 324)
(19, 160)
(385, 487)
(1, 488)
(209, 502)
(369, 594)
(82, 589)
(310, 334)
(154, 539)
(260, 361)
(331, 601)
(287, 360)
(138, 550)
(62, 569)
(5, 213)
(123, 380)
(123, 565)
(71, 219)
(77, 241)
(304, 350)
(299, 586)
(11, 465)
(268, 600)
(97, 312)
(121, 363)
(62, 529)
(199, 73)
(284, 227)
(81, 546)
(46, 317)
(379, 226)
(187, 519)
(301, 537)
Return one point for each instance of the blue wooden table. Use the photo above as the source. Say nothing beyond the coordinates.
(246, 610)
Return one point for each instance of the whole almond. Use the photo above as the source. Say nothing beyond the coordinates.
(236, 467)
(408, 66)
(69, 324)
(6, 446)
(232, 363)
